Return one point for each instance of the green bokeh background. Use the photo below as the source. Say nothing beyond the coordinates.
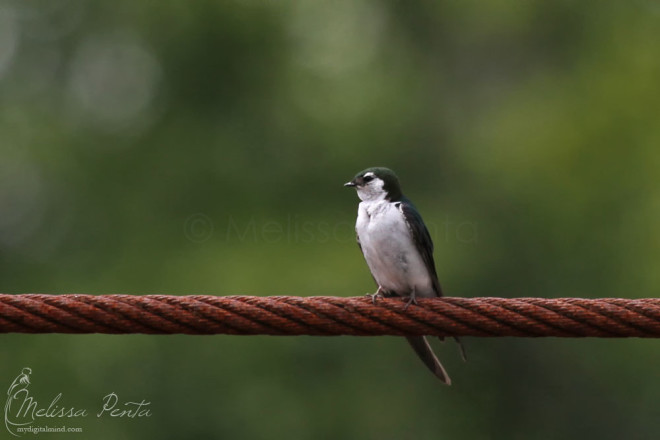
(199, 147)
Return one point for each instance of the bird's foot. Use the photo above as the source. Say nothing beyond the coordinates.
(378, 294)
(411, 300)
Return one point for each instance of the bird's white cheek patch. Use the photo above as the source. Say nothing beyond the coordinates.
(373, 191)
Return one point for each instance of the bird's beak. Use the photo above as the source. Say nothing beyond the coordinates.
(351, 183)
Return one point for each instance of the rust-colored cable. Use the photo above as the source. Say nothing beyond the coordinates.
(329, 316)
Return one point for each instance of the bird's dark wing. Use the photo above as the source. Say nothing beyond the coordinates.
(424, 245)
(421, 238)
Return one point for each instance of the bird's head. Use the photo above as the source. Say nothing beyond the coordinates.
(375, 184)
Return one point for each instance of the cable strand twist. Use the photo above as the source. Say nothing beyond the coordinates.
(329, 316)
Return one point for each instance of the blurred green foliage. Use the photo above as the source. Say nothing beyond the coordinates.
(200, 147)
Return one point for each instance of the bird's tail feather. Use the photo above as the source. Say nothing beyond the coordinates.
(425, 353)
(461, 349)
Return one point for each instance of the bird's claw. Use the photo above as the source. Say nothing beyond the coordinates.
(378, 294)
(411, 300)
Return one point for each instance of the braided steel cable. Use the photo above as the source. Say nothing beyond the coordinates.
(329, 316)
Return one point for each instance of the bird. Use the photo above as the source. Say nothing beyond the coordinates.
(398, 249)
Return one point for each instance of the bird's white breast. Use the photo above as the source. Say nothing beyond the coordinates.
(389, 249)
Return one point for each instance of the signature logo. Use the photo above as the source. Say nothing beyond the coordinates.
(16, 390)
(22, 411)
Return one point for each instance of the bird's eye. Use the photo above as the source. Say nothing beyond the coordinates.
(368, 178)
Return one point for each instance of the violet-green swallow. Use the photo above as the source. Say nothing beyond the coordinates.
(397, 247)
